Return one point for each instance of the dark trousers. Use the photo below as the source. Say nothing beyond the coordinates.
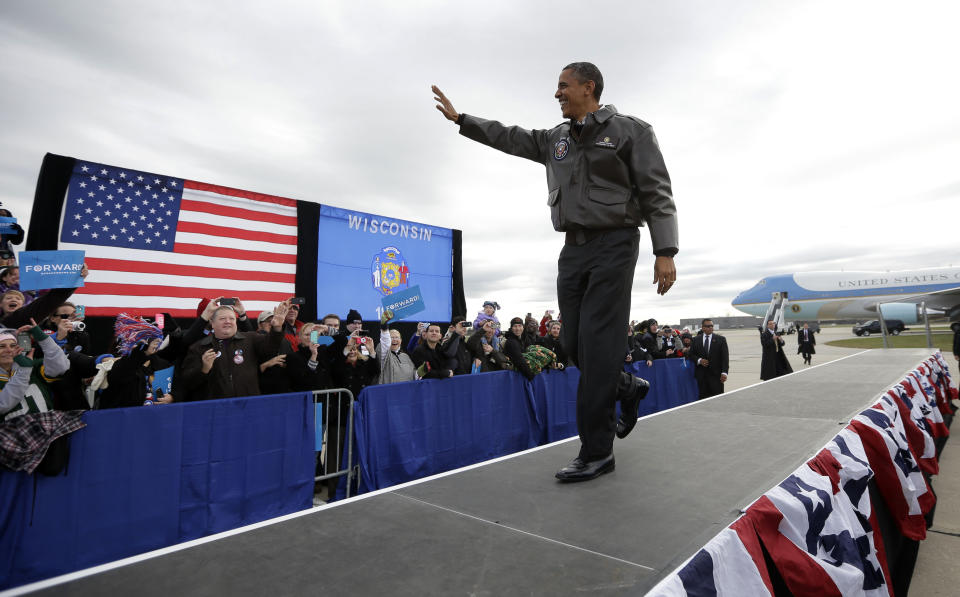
(709, 385)
(594, 281)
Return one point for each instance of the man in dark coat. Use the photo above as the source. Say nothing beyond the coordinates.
(454, 347)
(427, 356)
(605, 177)
(226, 363)
(709, 353)
(773, 363)
(805, 343)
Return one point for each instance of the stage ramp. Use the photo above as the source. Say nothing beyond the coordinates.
(506, 527)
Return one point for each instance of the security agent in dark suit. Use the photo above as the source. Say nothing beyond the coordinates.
(605, 177)
(806, 342)
(712, 359)
(773, 362)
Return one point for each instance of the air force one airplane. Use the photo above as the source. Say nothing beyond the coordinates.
(856, 295)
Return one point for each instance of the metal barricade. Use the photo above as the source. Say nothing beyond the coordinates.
(335, 417)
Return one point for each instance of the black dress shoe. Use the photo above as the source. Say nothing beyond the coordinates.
(631, 393)
(578, 470)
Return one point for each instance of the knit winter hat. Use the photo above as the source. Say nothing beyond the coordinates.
(352, 316)
(131, 331)
(203, 305)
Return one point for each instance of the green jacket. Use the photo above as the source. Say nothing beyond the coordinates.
(25, 389)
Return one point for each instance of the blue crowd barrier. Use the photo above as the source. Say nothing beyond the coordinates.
(412, 430)
(144, 478)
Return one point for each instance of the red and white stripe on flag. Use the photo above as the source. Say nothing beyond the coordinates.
(729, 565)
(898, 476)
(916, 428)
(815, 535)
(228, 242)
(928, 397)
(948, 380)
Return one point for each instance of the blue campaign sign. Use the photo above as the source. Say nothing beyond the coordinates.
(404, 303)
(50, 269)
(6, 224)
(363, 259)
(163, 380)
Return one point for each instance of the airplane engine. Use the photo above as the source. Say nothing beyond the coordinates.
(906, 312)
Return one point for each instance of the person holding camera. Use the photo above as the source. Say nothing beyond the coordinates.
(488, 313)
(226, 363)
(454, 346)
(24, 380)
(292, 325)
(68, 332)
(304, 367)
(357, 367)
(353, 322)
(671, 343)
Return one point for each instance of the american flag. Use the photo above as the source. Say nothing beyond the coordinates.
(729, 565)
(156, 243)
(895, 468)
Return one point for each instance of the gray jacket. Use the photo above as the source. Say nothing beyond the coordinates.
(613, 176)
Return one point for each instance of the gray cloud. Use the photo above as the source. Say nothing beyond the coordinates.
(330, 102)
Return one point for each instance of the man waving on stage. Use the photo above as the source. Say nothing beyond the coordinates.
(606, 178)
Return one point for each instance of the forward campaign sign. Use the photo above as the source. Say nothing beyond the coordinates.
(404, 303)
(50, 269)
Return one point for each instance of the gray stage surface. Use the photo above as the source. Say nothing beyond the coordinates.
(508, 528)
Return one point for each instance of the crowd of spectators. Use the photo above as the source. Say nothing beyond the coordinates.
(224, 353)
(53, 365)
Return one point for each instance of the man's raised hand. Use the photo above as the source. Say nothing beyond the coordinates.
(444, 105)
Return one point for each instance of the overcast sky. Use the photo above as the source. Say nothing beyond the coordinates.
(800, 136)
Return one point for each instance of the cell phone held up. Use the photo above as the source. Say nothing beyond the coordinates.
(298, 300)
(228, 301)
(24, 342)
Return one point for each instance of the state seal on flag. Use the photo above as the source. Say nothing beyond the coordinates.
(389, 272)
